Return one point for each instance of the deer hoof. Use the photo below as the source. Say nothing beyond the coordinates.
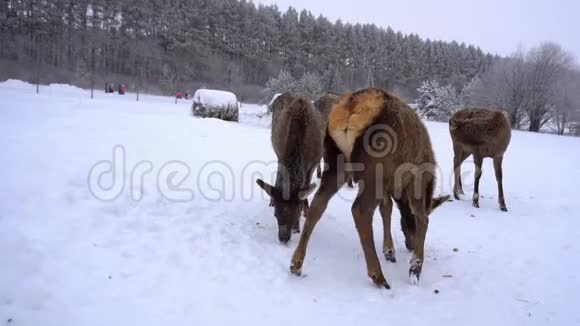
(296, 268)
(380, 281)
(415, 270)
(390, 255)
(503, 209)
(414, 277)
(456, 196)
(476, 204)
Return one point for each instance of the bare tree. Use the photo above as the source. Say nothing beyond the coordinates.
(547, 63)
(529, 86)
(504, 86)
(515, 92)
(567, 101)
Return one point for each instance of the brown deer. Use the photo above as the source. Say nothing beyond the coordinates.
(483, 133)
(297, 142)
(387, 148)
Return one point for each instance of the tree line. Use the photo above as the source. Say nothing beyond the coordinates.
(235, 45)
(538, 88)
(165, 45)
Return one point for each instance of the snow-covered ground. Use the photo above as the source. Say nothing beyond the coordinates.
(152, 250)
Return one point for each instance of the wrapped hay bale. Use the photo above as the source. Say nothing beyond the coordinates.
(209, 103)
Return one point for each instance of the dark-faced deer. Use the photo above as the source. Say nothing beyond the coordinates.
(483, 133)
(389, 152)
(297, 142)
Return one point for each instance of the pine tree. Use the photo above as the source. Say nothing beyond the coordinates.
(310, 86)
(281, 84)
(223, 43)
(437, 102)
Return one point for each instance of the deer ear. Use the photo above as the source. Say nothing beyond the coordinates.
(437, 201)
(266, 187)
(304, 193)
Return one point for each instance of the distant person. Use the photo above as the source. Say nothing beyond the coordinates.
(179, 95)
(122, 89)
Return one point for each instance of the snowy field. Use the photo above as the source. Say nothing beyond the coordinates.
(148, 249)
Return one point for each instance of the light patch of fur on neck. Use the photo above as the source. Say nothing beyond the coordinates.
(350, 117)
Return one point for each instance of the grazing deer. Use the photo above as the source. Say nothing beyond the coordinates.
(483, 133)
(389, 153)
(297, 142)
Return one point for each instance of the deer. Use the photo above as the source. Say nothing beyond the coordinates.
(324, 105)
(297, 142)
(482, 133)
(384, 144)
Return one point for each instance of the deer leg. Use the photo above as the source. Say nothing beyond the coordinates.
(305, 205)
(458, 159)
(349, 181)
(362, 212)
(305, 208)
(386, 208)
(497, 165)
(463, 158)
(329, 185)
(421, 223)
(478, 163)
(407, 223)
(296, 226)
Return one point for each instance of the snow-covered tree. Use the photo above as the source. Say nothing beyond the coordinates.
(281, 84)
(230, 44)
(427, 94)
(469, 93)
(310, 86)
(437, 102)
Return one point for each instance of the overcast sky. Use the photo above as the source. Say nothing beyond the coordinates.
(497, 26)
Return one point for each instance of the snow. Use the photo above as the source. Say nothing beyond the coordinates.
(69, 258)
(210, 97)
